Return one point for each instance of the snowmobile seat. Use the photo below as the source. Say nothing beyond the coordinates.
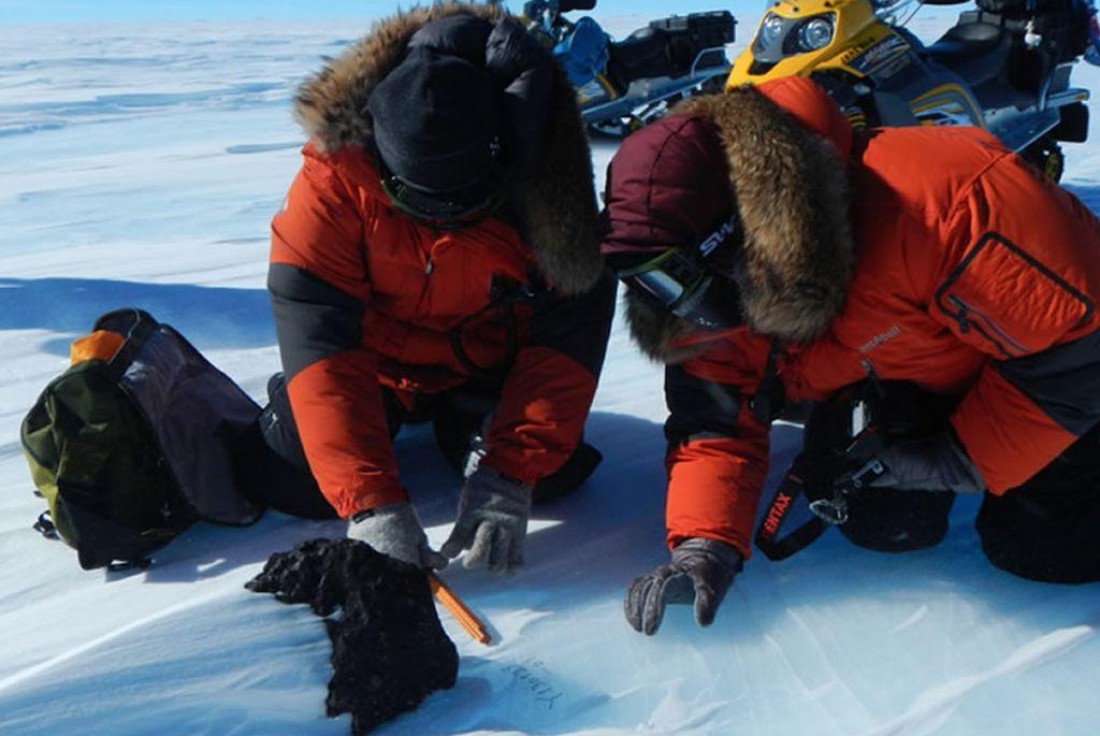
(977, 48)
(671, 47)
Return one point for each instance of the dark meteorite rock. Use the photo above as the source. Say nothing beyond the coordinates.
(389, 651)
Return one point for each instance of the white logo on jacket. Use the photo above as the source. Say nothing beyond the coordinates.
(879, 339)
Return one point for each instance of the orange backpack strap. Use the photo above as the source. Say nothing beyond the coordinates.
(98, 345)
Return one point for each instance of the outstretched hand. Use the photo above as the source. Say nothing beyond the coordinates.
(701, 571)
(491, 522)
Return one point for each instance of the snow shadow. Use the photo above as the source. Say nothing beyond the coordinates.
(623, 499)
(52, 115)
(211, 317)
(900, 595)
(617, 518)
(1088, 194)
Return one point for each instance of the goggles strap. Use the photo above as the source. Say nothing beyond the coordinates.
(398, 191)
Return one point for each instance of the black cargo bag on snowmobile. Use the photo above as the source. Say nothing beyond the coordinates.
(671, 47)
(135, 442)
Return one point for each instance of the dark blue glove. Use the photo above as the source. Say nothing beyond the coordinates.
(701, 570)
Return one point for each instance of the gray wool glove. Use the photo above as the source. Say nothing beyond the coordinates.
(701, 571)
(491, 521)
(934, 463)
(394, 529)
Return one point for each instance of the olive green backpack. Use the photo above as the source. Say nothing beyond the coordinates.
(135, 442)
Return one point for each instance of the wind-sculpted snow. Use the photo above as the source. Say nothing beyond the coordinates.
(141, 165)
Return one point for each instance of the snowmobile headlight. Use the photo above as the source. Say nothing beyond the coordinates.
(771, 33)
(815, 33)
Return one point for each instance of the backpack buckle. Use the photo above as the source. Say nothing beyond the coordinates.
(45, 526)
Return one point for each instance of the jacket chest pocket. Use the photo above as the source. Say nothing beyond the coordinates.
(1004, 298)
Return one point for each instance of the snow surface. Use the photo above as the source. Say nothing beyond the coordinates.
(140, 165)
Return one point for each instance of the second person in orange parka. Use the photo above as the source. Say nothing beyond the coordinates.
(775, 254)
(436, 261)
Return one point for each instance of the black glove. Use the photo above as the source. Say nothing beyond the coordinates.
(934, 463)
(701, 570)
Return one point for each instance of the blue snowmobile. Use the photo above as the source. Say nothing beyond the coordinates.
(622, 85)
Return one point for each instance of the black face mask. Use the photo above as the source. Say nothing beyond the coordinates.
(442, 210)
(684, 282)
(446, 210)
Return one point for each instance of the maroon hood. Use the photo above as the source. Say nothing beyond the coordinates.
(651, 180)
(740, 153)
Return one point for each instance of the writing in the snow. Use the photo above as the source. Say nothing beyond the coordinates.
(531, 674)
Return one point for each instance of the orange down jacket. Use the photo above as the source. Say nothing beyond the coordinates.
(973, 277)
(365, 297)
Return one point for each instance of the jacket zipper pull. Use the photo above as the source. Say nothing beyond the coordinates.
(962, 316)
(429, 267)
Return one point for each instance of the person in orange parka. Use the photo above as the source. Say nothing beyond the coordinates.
(436, 260)
(775, 255)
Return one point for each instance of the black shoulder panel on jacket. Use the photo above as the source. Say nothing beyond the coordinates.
(313, 319)
(698, 407)
(1064, 381)
(577, 326)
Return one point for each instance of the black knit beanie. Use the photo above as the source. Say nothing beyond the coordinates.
(437, 124)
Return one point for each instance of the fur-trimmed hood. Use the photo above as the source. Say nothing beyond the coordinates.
(554, 199)
(787, 185)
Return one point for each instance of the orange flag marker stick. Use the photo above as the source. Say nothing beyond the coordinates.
(473, 625)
